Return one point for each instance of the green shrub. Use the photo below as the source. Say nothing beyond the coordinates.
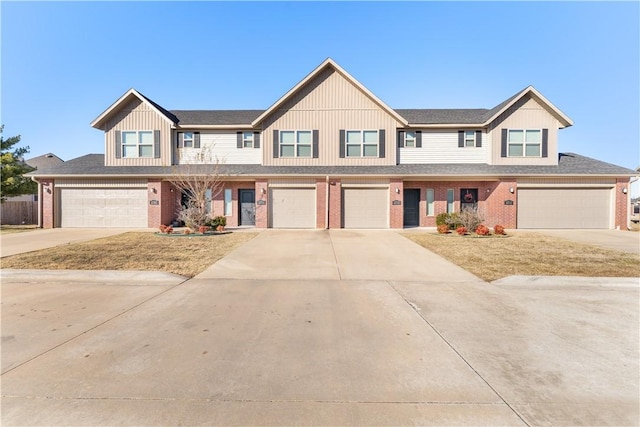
(452, 220)
(442, 218)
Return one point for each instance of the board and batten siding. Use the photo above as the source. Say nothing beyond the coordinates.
(329, 103)
(527, 113)
(219, 147)
(441, 146)
(137, 115)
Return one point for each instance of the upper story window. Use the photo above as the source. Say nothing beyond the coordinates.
(247, 139)
(137, 143)
(187, 139)
(295, 143)
(362, 143)
(469, 138)
(524, 142)
(410, 139)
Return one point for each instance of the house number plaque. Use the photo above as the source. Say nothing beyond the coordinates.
(261, 202)
(154, 202)
(508, 202)
(396, 202)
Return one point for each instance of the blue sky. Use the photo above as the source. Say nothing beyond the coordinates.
(63, 63)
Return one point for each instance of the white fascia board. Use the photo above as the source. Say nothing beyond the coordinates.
(98, 120)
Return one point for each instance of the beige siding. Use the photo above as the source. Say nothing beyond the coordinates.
(137, 115)
(527, 113)
(441, 146)
(329, 103)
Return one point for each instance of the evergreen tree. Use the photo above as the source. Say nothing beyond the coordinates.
(13, 168)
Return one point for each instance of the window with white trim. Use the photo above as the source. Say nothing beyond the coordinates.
(450, 200)
(362, 143)
(431, 199)
(227, 202)
(410, 138)
(295, 143)
(524, 142)
(137, 143)
(187, 139)
(469, 138)
(247, 139)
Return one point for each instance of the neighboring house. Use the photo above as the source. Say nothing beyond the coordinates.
(330, 154)
(41, 162)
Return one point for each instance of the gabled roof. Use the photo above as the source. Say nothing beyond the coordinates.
(98, 122)
(480, 116)
(325, 64)
(501, 108)
(44, 162)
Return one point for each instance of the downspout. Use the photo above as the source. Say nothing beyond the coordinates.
(326, 203)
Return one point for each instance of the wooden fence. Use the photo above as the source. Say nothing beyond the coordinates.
(18, 213)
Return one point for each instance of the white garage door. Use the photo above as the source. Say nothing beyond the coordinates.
(365, 208)
(564, 208)
(103, 207)
(292, 208)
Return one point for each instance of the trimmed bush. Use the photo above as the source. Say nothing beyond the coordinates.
(443, 228)
(461, 230)
(498, 229)
(482, 230)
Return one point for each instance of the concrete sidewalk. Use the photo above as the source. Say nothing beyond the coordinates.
(28, 241)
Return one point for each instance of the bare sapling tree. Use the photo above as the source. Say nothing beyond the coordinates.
(200, 182)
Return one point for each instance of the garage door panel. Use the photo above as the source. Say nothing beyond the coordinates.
(293, 208)
(564, 208)
(99, 207)
(365, 207)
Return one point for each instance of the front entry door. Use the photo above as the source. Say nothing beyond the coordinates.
(411, 208)
(247, 207)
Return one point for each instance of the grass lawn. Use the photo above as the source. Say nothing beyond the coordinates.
(186, 256)
(5, 229)
(529, 254)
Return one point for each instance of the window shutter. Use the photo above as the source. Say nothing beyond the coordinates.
(156, 144)
(315, 144)
(400, 138)
(418, 139)
(196, 140)
(276, 144)
(342, 143)
(460, 138)
(238, 139)
(478, 138)
(503, 147)
(256, 140)
(545, 142)
(381, 143)
(118, 145)
(180, 139)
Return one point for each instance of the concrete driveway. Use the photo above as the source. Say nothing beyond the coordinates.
(27, 241)
(318, 328)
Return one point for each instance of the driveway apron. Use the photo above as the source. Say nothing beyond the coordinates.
(335, 255)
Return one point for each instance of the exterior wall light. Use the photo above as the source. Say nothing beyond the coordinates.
(397, 190)
(262, 190)
(624, 190)
(511, 190)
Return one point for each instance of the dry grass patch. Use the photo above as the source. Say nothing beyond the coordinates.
(528, 254)
(186, 256)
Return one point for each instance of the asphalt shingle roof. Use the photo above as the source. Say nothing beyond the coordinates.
(216, 117)
(568, 164)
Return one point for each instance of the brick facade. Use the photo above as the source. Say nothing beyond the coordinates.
(48, 204)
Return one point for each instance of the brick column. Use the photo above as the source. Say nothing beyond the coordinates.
(154, 203)
(396, 211)
(495, 211)
(622, 205)
(262, 203)
(321, 203)
(335, 203)
(48, 203)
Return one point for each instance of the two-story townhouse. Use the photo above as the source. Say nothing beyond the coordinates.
(330, 154)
